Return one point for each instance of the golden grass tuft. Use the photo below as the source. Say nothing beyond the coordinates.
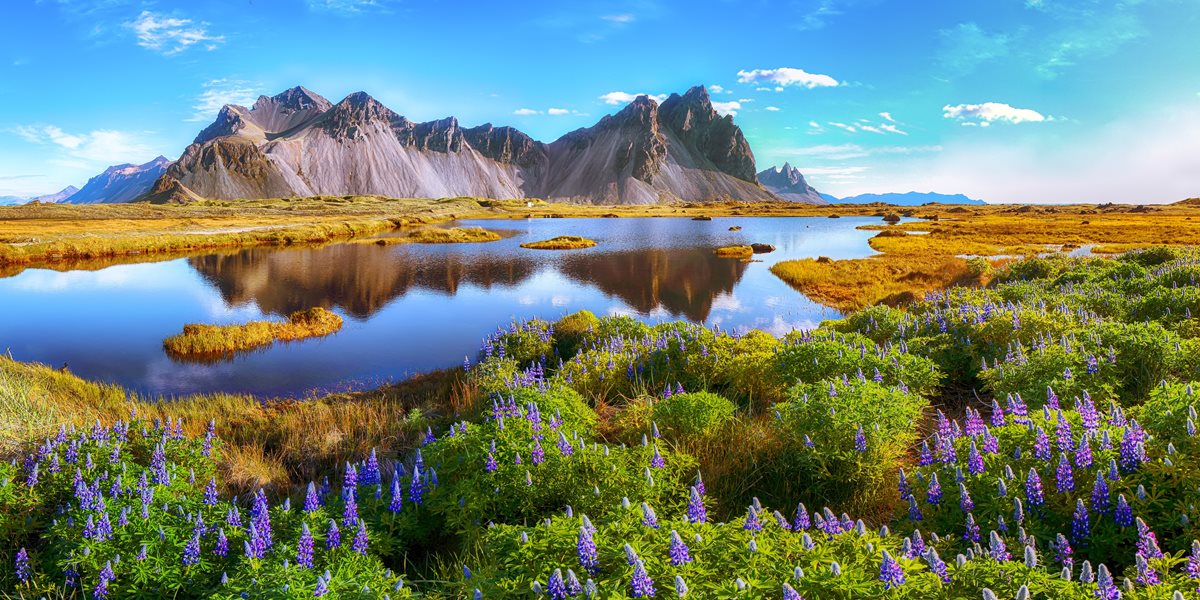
(453, 235)
(562, 242)
(735, 252)
(853, 284)
(199, 340)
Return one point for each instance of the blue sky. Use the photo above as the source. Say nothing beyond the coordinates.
(1005, 100)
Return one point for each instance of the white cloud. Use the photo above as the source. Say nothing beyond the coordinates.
(871, 129)
(347, 7)
(557, 111)
(727, 108)
(615, 98)
(102, 146)
(989, 112)
(621, 19)
(171, 35)
(887, 116)
(772, 109)
(525, 112)
(840, 152)
(786, 76)
(843, 126)
(716, 89)
(892, 129)
(219, 92)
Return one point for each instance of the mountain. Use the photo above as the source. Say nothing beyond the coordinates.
(120, 183)
(788, 183)
(12, 200)
(300, 144)
(906, 199)
(61, 196)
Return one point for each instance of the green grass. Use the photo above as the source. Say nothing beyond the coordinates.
(198, 340)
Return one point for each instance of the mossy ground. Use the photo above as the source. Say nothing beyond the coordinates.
(734, 252)
(562, 242)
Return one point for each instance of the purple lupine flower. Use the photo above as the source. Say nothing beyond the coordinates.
(934, 494)
(1193, 564)
(210, 492)
(997, 549)
(678, 551)
(556, 587)
(752, 522)
(23, 571)
(333, 536)
(1080, 524)
(1063, 436)
(106, 576)
(360, 539)
(490, 465)
(1063, 552)
(991, 443)
(914, 511)
(903, 487)
(1147, 543)
(997, 414)
(699, 484)
(371, 474)
(860, 440)
(790, 593)
(1106, 587)
(191, 551)
(260, 516)
(926, 457)
(657, 460)
(917, 543)
(574, 588)
(1132, 453)
(1033, 490)
(1064, 477)
(974, 460)
(1146, 575)
(322, 586)
(801, 522)
(1100, 499)
(350, 512)
(311, 501)
(416, 488)
(641, 583)
(222, 546)
(1124, 513)
(696, 512)
(304, 547)
(937, 565)
(539, 455)
(564, 447)
(1041, 445)
(649, 519)
(1083, 453)
(585, 547)
(971, 529)
(964, 499)
(890, 572)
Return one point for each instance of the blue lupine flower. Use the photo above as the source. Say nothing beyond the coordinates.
(106, 576)
(974, 460)
(696, 512)
(350, 512)
(934, 493)
(333, 536)
(556, 587)
(657, 461)
(964, 498)
(1124, 513)
(1063, 552)
(790, 593)
(996, 548)
(1106, 588)
(360, 539)
(304, 547)
(1064, 477)
(222, 547)
(1080, 524)
(649, 519)
(641, 583)
(1100, 498)
(23, 571)
(678, 550)
(860, 440)
(1083, 453)
(890, 572)
(752, 522)
(1041, 445)
(1033, 490)
(191, 551)
(586, 549)
(1147, 543)
(971, 529)
(937, 565)
(681, 587)
(210, 492)
(322, 585)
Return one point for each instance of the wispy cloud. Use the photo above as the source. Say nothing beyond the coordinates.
(772, 109)
(786, 77)
(985, 114)
(852, 151)
(617, 98)
(348, 7)
(219, 92)
(557, 111)
(966, 46)
(102, 146)
(171, 35)
(592, 22)
(816, 14)
(525, 112)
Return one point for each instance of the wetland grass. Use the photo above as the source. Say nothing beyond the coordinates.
(199, 341)
(562, 242)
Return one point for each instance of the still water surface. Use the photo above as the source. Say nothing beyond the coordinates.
(408, 308)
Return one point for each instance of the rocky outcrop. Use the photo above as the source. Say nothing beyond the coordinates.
(788, 183)
(299, 144)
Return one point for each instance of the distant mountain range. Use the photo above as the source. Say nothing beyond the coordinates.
(905, 199)
(55, 198)
(298, 143)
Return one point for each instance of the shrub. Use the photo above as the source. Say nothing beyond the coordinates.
(692, 414)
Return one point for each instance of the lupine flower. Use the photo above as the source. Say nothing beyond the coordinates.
(696, 512)
(1083, 453)
(1100, 499)
(210, 492)
(1041, 445)
(997, 549)
(801, 522)
(322, 586)
(304, 547)
(657, 461)
(964, 499)
(649, 519)
(752, 522)
(1033, 490)
(971, 533)
(490, 465)
(586, 549)
(1146, 574)
(1064, 477)
(937, 565)
(360, 539)
(903, 487)
(860, 440)
(1124, 513)
(914, 511)
(1106, 588)
(23, 571)
(564, 447)
(416, 488)
(1147, 543)
(539, 455)
(975, 460)
(890, 572)
(699, 483)
(191, 551)
(350, 512)
(556, 587)
(1193, 564)
(678, 551)
(934, 493)
(790, 593)
(1062, 551)
(333, 536)
(106, 576)
(641, 583)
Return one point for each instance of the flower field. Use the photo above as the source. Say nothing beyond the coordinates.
(1035, 438)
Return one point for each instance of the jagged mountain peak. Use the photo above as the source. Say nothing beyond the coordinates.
(789, 183)
(297, 98)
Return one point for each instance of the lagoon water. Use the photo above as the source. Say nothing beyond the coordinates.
(408, 308)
